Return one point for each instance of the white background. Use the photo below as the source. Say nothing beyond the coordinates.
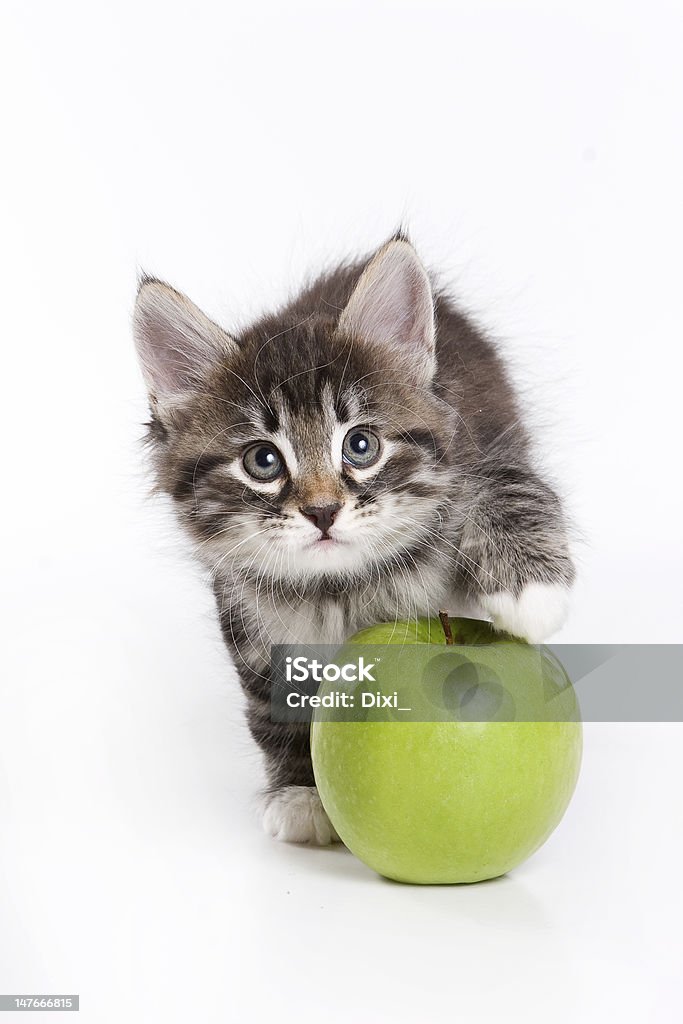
(535, 152)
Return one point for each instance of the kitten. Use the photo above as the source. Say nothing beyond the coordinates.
(356, 457)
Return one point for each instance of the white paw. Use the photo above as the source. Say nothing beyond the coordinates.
(536, 614)
(295, 815)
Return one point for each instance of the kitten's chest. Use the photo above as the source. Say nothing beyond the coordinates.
(331, 620)
(326, 621)
(280, 618)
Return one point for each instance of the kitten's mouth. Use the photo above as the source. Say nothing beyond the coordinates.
(323, 542)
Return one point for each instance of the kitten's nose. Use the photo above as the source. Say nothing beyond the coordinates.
(321, 515)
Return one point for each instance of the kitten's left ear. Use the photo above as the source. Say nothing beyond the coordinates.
(392, 305)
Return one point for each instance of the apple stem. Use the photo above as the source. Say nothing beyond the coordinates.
(446, 626)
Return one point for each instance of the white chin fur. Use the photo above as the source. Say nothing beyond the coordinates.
(296, 815)
(536, 614)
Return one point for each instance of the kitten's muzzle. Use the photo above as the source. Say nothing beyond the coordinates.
(321, 516)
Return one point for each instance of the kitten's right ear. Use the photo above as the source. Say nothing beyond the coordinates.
(177, 345)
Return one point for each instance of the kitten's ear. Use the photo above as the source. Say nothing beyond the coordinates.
(176, 343)
(392, 305)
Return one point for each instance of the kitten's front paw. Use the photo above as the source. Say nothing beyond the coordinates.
(536, 614)
(295, 814)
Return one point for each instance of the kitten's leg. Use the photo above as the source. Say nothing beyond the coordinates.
(291, 808)
(515, 557)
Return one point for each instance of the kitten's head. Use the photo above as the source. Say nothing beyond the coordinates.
(310, 446)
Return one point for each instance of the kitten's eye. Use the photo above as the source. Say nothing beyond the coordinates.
(360, 448)
(263, 461)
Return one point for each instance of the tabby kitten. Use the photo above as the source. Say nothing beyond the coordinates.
(356, 457)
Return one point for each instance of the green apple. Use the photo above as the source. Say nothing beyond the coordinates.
(465, 759)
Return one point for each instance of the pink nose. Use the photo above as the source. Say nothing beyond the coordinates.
(321, 516)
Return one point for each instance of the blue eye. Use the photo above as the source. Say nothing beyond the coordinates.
(263, 461)
(361, 448)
